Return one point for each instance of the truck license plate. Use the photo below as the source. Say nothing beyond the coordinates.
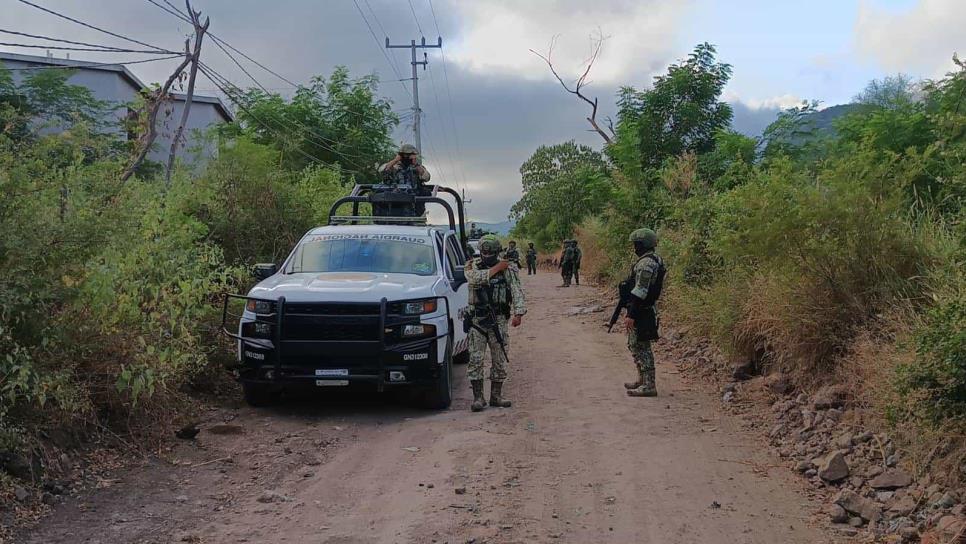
(325, 383)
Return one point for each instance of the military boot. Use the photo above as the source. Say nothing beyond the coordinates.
(479, 401)
(647, 389)
(496, 398)
(638, 383)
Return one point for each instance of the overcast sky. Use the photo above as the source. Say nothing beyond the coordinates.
(504, 101)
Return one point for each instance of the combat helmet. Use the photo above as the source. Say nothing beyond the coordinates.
(408, 149)
(647, 237)
(490, 245)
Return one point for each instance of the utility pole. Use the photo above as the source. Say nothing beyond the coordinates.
(413, 46)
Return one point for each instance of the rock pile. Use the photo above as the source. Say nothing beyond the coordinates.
(858, 471)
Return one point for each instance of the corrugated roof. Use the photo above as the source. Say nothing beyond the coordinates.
(122, 70)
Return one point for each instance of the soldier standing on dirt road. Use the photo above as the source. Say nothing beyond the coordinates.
(531, 259)
(567, 263)
(641, 322)
(495, 294)
(512, 253)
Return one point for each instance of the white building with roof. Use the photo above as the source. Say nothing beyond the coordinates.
(119, 87)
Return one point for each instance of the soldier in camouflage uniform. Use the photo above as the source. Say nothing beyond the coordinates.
(531, 259)
(567, 263)
(513, 254)
(577, 256)
(406, 159)
(495, 290)
(641, 322)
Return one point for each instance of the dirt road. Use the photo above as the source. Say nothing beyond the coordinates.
(574, 461)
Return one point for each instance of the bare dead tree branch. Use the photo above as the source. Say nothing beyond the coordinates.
(580, 83)
(155, 100)
(200, 30)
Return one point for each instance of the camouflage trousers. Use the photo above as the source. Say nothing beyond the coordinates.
(478, 347)
(643, 358)
(566, 272)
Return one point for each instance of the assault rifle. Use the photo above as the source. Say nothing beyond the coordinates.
(624, 294)
(490, 318)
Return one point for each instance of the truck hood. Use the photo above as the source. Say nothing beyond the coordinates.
(344, 287)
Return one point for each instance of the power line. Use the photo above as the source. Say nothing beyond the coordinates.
(180, 15)
(449, 96)
(82, 23)
(222, 83)
(384, 33)
(94, 64)
(90, 49)
(384, 53)
(59, 40)
(214, 79)
(442, 126)
(418, 26)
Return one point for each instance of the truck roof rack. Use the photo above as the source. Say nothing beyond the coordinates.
(370, 219)
(388, 194)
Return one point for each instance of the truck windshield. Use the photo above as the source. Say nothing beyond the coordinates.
(365, 253)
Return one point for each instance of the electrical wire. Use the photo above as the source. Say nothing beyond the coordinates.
(59, 40)
(82, 23)
(90, 49)
(181, 15)
(222, 44)
(222, 83)
(382, 49)
(278, 130)
(94, 64)
(449, 96)
(384, 33)
(442, 126)
(413, 9)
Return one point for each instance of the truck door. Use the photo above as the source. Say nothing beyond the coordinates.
(458, 290)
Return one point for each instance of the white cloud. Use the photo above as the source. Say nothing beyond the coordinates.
(920, 39)
(780, 102)
(497, 36)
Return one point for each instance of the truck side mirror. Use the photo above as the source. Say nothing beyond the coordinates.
(264, 270)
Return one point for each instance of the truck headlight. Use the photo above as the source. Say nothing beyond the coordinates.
(417, 307)
(418, 330)
(257, 329)
(260, 306)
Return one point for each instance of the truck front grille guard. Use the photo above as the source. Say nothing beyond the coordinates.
(277, 338)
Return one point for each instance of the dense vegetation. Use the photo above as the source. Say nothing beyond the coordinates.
(110, 292)
(795, 248)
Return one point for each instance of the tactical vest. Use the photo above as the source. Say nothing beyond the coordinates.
(496, 293)
(656, 285)
(567, 256)
(648, 322)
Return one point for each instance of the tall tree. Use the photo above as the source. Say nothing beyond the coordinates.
(338, 120)
(681, 113)
(562, 184)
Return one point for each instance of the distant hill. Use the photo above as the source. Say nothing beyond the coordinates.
(823, 120)
(821, 124)
(501, 229)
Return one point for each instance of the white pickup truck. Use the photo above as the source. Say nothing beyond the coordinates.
(358, 305)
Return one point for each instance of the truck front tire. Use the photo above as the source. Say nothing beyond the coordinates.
(440, 395)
